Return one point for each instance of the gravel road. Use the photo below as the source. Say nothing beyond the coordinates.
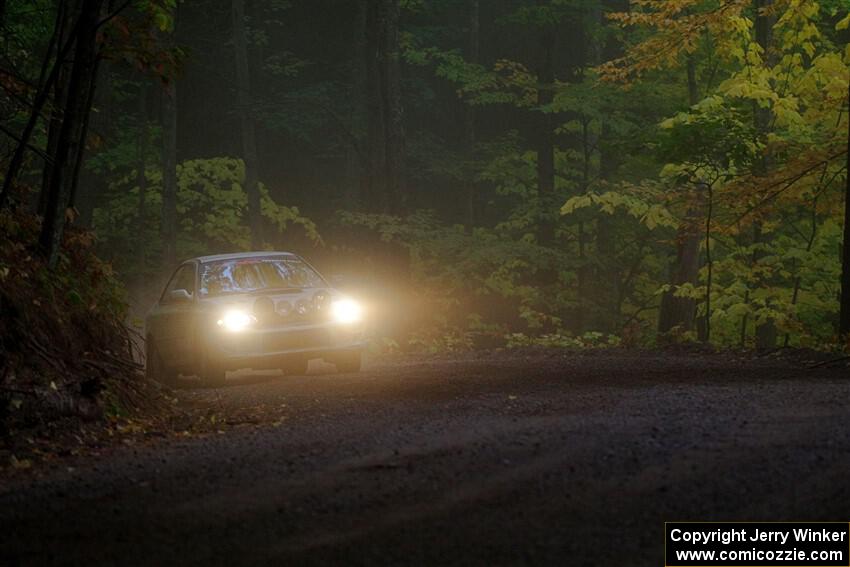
(529, 458)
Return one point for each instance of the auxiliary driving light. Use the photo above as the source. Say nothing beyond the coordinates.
(236, 321)
(346, 311)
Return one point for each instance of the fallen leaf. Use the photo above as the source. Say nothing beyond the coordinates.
(20, 463)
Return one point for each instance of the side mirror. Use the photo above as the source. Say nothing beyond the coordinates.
(179, 296)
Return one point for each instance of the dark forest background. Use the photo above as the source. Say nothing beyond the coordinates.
(483, 172)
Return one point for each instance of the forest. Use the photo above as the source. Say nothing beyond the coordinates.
(582, 267)
(566, 172)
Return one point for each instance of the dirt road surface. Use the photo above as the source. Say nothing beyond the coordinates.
(528, 458)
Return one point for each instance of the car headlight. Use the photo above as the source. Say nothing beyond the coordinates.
(346, 311)
(236, 320)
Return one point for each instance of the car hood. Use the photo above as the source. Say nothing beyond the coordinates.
(251, 303)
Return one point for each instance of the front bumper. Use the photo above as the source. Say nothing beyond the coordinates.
(267, 347)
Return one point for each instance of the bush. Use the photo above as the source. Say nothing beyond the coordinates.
(64, 348)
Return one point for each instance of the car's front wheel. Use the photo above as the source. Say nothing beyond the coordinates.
(155, 367)
(346, 362)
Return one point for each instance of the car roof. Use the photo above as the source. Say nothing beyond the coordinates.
(238, 256)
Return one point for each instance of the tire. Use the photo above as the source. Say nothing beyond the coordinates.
(295, 367)
(155, 367)
(348, 362)
(212, 374)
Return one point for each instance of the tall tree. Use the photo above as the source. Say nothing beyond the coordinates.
(246, 121)
(765, 330)
(609, 290)
(168, 225)
(141, 155)
(394, 111)
(844, 314)
(679, 312)
(81, 135)
(70, 139)
(356, 165)
(545, 135)
(66, 19)
(473, 49)
(51, 67)
(374, 182)
(385, 172)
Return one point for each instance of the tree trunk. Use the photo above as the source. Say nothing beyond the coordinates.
(798, 279)
(168, 226)
(680, 312)
(394, 113)
(607, 278)
(766, 333)
(373, 182)
(356, 165)
(93, 185)
(77, 106)
(585, 270)
(385, 176)
(709, 264)
(66, 21)
(141, 158)
(53, 128)
(246, 120)
(545, 138)
(472, 56)
(844, 314)
(608, 283)
(79, 151)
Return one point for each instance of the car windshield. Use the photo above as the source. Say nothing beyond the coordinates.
(246, 275)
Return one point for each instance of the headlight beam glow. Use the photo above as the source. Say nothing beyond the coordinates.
(236, 321)
(346, 311)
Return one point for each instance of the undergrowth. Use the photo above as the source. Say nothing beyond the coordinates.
(66, 356)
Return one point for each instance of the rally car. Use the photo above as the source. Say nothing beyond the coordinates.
(256, 310)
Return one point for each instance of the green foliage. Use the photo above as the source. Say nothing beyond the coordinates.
(455, 268)
(690, 117)
(634, 203)
(212, 213)
(52, 319)
(478, 286)
(760, 152)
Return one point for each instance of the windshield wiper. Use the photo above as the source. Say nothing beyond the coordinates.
(276, 290)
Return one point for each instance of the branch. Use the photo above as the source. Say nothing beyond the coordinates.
(112, 15)
(789, 182)
(47, 159)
